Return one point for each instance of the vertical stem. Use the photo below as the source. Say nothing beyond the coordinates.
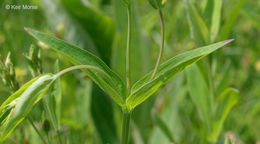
(48, 138)
(211, 83)
(126, 113)
(128, 47)
(37, 131)
(162, 45)
(125, 126)
(59, 136)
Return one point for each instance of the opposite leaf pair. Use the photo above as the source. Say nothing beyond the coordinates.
(116, 89)
(100, 73)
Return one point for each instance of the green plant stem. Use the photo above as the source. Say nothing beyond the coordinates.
(84, 67)
(125, 126)
(211, 83)
(80, 67)
(162, 45)
(59, 136)
(37, 131)
(128, 47)
(48, 138)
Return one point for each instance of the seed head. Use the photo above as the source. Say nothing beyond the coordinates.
(7, 73)
(34, 61)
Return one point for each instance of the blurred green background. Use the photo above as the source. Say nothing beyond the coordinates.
(100, 26)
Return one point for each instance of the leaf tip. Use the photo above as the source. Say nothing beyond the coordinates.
(27, 29)
(228, 41)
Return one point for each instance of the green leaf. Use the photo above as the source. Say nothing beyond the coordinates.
(207, 8)
(79, 32)
(26, 101)
(198, 28)
(145, 87)
(225, 30)
(9, 104)
(199, 92)
(116, 90)
(18, 93)
(226, 101)
(52, 102)
(215, 20)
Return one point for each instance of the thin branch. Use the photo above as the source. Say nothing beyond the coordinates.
(37, 131)
(162, 45)
(81, 67)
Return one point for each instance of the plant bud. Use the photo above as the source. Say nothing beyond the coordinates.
(157, 4)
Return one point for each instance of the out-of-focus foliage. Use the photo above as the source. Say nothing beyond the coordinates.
(179, 111)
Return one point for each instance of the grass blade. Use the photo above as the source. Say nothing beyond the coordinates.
(163, 126)
(198, 27)
(215, 20)
(199, 93)
(225, 30)
(226, 101)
